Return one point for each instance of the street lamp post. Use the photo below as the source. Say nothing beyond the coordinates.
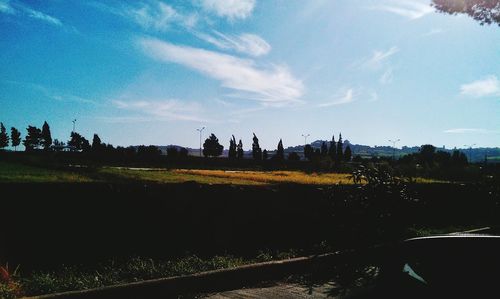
(74, 122)
(305, 138)
(394, 148)
(200, 130)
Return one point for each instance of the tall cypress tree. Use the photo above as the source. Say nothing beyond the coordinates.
(347, 154)
(239, 150)
(4, 138)
(15, 137)
(46, 136)
(232, 148)
(280, 152)
(332, 151)
(340, 153)
(256, 150)
(324, 149)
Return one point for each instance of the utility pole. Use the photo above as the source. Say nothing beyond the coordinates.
(394, 148)
(470, 151)
(74, 122)
(200, 130)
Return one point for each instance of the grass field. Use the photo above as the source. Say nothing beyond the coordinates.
(13, 172)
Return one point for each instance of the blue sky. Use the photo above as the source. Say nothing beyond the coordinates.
(151, 72)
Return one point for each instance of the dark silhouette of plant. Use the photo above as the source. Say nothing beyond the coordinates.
(340, 153)
(149, 152)
(211, 147)
(183, 153)
(46, 136)
(172, 152)
(332, 150)
(293, 156)
(97, 145)
(347, 154)
(324, 149)
(265, 155)
(33, 139)
(483, 11)
(58, 145)
(426, 154)
(239, 150)
(79, 143)
(4, 138)
(232, 148)
(256, 151)
(308, 152)
(280, 152)
(15, 137)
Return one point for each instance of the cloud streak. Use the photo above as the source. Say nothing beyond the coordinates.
(170, 109)
(347, 98)
(410, 9)
(231, 9)
(246, 43)
(273, 85)
(488, 86)
(470, 130)
(377, 59)
(15, 8)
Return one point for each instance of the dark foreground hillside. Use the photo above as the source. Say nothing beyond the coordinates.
(46, 225)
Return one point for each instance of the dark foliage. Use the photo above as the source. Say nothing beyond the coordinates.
(308, 152)
(483, 11)
(211, 147)
(46, 136)
(340, 150)
(280, 152)
(15, 137)
(4, 138)
(232, 148)
(332, 150)
(293, 156)
(78, 142)
(256, 150)
(33, 139)
(239, 150)
(347, 154)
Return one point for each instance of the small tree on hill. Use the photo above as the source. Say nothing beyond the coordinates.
(239, 150)
(46, 136)
(308, 152)
(256, 151)
(340, 150)
(211, 147)
(15, 137)
(265, 155)
(79, 142)
(96, 143)
(4, 138)
(232, 148)
(280, 152)
(324, 149)
(32, 141)
(332, 150)
(347, 154)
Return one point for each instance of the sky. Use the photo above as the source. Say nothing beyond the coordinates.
(152, 72)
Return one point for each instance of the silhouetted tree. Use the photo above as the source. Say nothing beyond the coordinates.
(427, 153)
(15, 137)
(46, 136)
(293, 156)
(172, 152)
(324, 149)
(183, 153)
(347, 154)
(280, 152)
(149, 152)
(256, 151)
(332, 150)
(211, 147)
(58, 145)
(33, 139)
(317, 152)
(232, 148)
(458, 159)
(239, 150)
(265, 155)
(79, 142)
(483, 11)
(96, 143)
(4, 138)
(340, 150)
(308, 152)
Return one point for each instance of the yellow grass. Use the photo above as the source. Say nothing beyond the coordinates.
(273, 177)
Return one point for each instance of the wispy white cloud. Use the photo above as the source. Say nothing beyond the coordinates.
(346, 98)
(377, 59)
(16, 8)
(387, 76)
(470, 130)
(150, 15)
(246, 43)
(411, 9)
(170, 109)
(433, 31)
(231, 9)
(272, 85)
(488, 86)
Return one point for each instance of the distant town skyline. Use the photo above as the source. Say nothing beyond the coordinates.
(152, 72)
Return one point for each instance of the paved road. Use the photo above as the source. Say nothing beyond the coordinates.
(280, 291)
